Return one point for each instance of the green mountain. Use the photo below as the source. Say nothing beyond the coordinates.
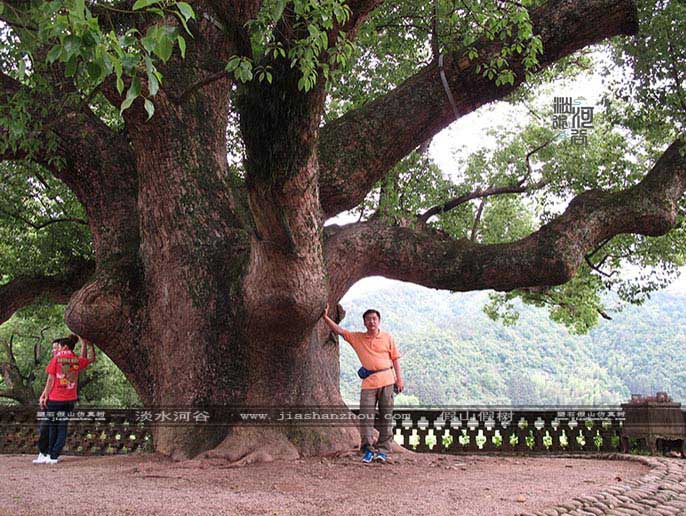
(454, 354)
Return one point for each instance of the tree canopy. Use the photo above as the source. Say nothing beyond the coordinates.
(86, 44)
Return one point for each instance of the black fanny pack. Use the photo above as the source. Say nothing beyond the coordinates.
(363, 372)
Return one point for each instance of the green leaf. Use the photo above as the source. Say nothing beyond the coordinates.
(94, 70)
(116, 64)
(54, 53)
(150, 108)
(163, 48)
(126, 104)
(22, 67)
(142, 4)
(233, 63)
(120, 85)
(244, 71)
(78, 9)
(135, 88)
(105, 60)
(183, 22)
(153, 83)
(186, 10)
(88, 40)
(131, 94)
(182, 45)
(148, 43)
(130, 62)
(278, 10)
(127, 39)
(169, 30)
(70, 68)
(72, 45)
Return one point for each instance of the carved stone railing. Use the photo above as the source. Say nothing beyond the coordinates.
(118, 433)
(509, 430)
(471, 430)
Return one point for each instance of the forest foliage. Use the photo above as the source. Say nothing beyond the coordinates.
(453, 353)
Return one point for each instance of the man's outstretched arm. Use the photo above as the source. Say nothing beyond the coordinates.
(332, 324)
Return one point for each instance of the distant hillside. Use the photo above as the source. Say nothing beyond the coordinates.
(454, 354)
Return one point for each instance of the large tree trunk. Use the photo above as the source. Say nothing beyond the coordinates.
(250, 374)
(226, 311)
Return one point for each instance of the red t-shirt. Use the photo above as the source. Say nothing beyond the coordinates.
(65, 366)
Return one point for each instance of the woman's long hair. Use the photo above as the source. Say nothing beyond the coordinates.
(70, 341)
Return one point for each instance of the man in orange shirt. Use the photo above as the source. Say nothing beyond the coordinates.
(379, 356)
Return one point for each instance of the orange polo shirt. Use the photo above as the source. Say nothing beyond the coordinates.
(375, 353)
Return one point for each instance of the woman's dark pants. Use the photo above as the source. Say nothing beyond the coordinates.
(53, 430)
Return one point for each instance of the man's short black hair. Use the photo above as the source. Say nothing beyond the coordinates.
(371, 311)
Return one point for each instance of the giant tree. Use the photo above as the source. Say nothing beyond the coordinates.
(206, 146)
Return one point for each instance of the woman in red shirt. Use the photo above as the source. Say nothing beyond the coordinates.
(59, 396)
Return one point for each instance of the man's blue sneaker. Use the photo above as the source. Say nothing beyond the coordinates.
(368, 456)
(380, 457)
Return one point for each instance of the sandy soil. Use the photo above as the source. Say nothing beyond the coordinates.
(413, 484)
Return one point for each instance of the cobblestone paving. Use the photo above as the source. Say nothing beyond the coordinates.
(660, 492)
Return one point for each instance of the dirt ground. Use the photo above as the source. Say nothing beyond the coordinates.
(413, 484)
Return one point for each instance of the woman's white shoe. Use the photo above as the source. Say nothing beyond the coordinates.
(41, 459)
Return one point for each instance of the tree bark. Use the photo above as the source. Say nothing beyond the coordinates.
(24, 291)
(18, 386)
(550, 256)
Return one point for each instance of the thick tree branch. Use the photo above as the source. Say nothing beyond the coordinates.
(550, 256)
(84, 141)
(23, 291)
(357, 149)
(232, 15)
(18, 385)
(95, 162)
(238, 12)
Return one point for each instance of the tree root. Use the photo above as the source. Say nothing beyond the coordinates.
(253, 445)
